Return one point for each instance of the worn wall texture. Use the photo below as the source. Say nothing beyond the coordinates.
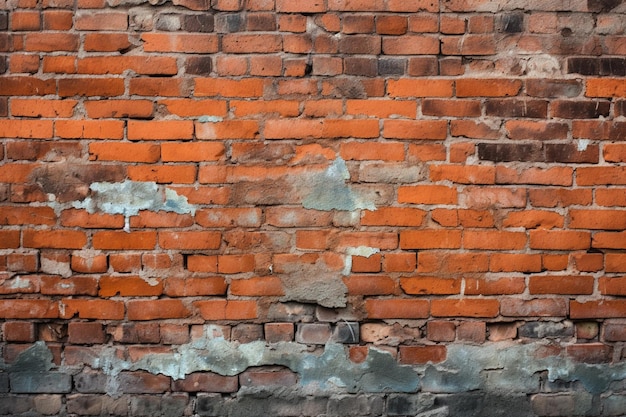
(313, 208)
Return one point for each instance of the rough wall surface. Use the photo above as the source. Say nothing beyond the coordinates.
(313, 207)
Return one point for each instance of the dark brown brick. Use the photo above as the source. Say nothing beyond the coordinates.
(583, 66)
(198, 23)
(199, 65)
(536, 109)
(613, 66)
(366, 67)
(553, 88)
(569, 153)
(620, 108)
(511, 22)
(86, 333)
(580, 109)
(207, 382)
(360, 44)
(4, 20)
(4, 109)
(422, 66)
(353, 23)
(261, 22)
(143, 383)
(504, 152)
(391, 66)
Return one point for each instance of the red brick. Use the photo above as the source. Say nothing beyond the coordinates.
(496, 286)
(207, 382)
(531, 129)
(105, 87)
(412, 355)
(26, 86)
(320, 128)
(190, 240)
(51, 42)
(164, 174)
(615, 262)
(372, 151)
(166, 87)
(515, 262)
(441, 331)
(156, 309)
(482, 44)
(449, 263)
(597, 219)
(227, 309)
(212, 87)
(101, 21)
(494, 240)
(397, 308)
(29, 309)
(540, 307)
(57, 19)
(472, 331)
(559, 197)
(18, 331)
(42, 107)
(82, 333)
(465, 308)
(399, 262)
(140, 382)
(463, 174)
(74, 285)
(92, 309)
(18, 215)
(126, 286)
(279, 332)
(410, 44)
(590, 352)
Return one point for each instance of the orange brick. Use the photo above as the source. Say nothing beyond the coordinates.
(382, 108)
(420, 88)
(228, 129)
(18, 215)
(419, 285)
(609, 240)
(191, 108)
(447, 263)
(427, 194)
(118, 240)
(400, 262)
(562, 176)
(81, 218)
(320, 128)
(191, 152)
(160, 130)
(463, 174)
(42, 108)
(129, 286)
(234, 264)
(487, 87)
(363, 151)
(494, 240)
(465, 308)
(26, 86)
(227, 309)
(190, 240)
(430, 239)
(106, 42)
(164, 174)
(89, 129)
(193, 287)
(54, 239)
(215, 87)
(257, 287)
(28, 129)
(514, 262)
(119, 108)
(124, 152)
(605, 87)
(366, 264)
(370, 285)
(534, 219)
(597, 219)
(559, 240)
(393, 216)
(612, 286)
(415, 129)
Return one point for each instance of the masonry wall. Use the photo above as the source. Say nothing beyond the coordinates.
(312, 208)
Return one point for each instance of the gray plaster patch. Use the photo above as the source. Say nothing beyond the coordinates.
(130, 197)
(329, 191)
(313, 283)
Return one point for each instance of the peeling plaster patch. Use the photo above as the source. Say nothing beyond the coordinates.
(330, 191)
(130, 197)
(583, 144)
(314, 283)
(210, 119)
(513, 368)
(364, 251)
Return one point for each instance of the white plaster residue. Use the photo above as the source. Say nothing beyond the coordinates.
(19, 283)
(364, 251)
(130, 197)
(210, 119)
(583, 144)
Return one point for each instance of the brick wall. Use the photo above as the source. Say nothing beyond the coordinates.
(305, 208)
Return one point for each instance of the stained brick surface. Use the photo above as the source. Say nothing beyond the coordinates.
(201, 199)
